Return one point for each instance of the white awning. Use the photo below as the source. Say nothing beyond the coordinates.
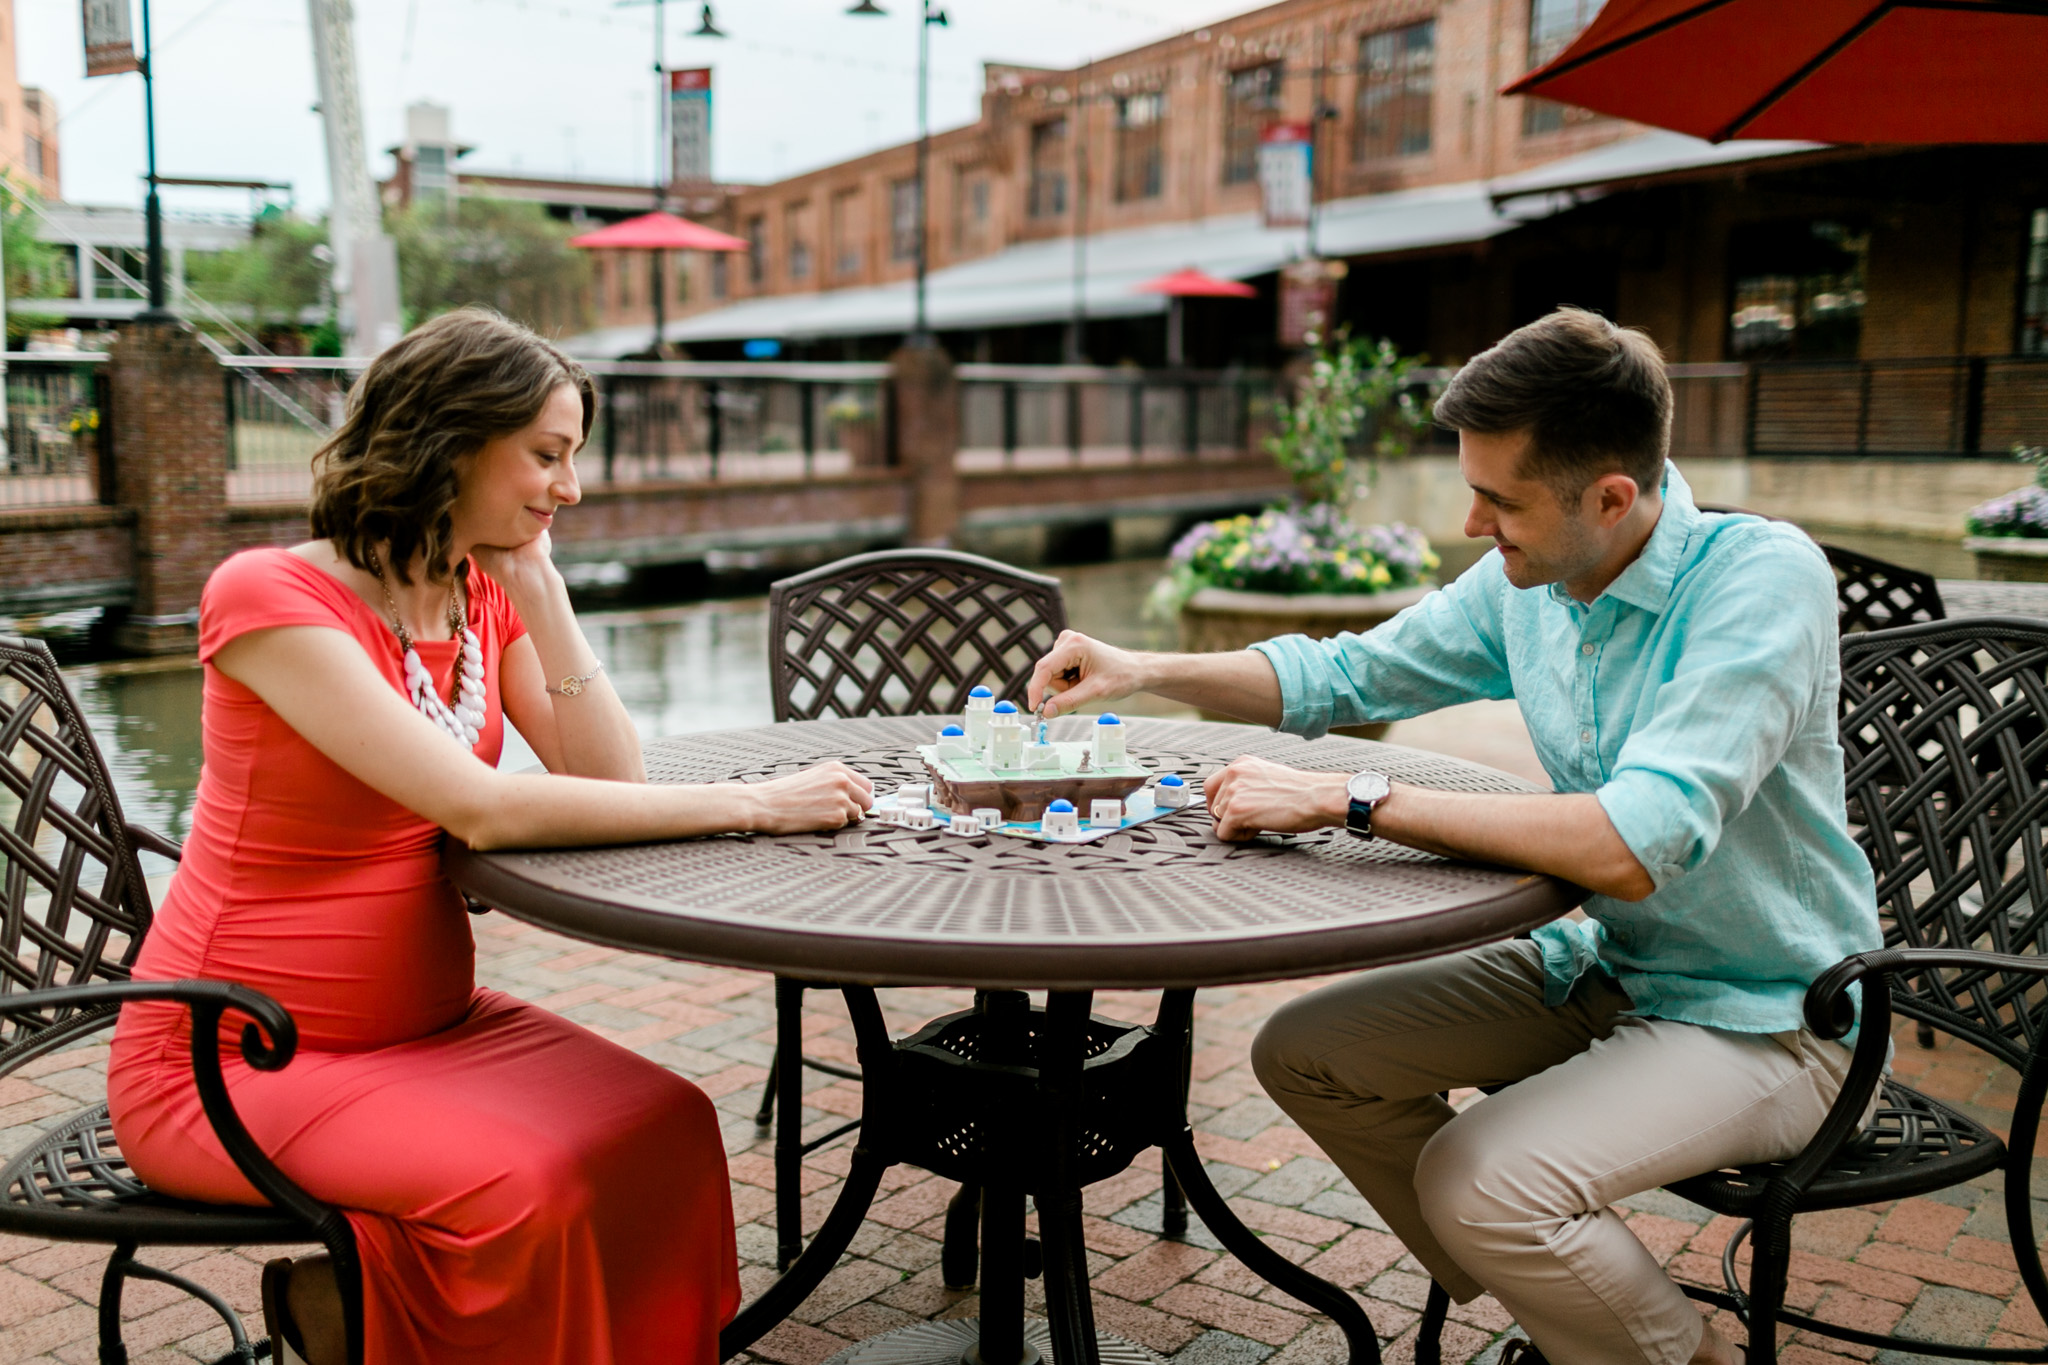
(1034, 281)
(1649, 157)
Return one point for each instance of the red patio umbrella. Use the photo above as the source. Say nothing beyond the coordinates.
(658, 231)
(1867, 71)
(1189, 284)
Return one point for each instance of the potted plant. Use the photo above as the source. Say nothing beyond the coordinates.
(855, 429)
(1306, 566)
(2009, 534)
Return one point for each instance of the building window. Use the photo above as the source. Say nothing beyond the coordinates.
(1552, 26)
(32, 154)
(1797, 290)
(847, 230)
(429, 173)
(1248, 106)
(903, 220)
(1140, 157)
(1396, 84)
(970, 209)
(2034, 301)
(796, 234)
(757, 250)
(1049, 168)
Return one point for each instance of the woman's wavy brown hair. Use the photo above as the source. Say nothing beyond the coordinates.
(387, 476)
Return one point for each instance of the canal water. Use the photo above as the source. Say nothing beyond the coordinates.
(699, 666)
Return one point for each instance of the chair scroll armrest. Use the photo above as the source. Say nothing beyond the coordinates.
(208, 1001)
(147, 840)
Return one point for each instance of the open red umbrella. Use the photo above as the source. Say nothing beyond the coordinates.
(1867, 71)
(1189, 284)
(659, 232)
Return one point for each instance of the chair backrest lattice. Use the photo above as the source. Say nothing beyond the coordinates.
(1942, 728)
(900, 632)
(73, 903)
(1872, 594)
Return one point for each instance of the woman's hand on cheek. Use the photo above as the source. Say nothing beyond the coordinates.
(520, 569)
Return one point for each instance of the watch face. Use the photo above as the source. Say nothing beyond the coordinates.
(1368, 787)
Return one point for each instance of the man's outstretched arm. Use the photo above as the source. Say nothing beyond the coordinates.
(1567, 836)
(1080, 671)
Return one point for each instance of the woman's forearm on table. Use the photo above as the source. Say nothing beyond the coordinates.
(531, 810)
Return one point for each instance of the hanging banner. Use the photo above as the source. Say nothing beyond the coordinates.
(109, 42)
(1308, 300)
(1284, 164)
(689, 126)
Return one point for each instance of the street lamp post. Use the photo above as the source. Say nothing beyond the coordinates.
(153, 209)
(929, 16)
(657, 274)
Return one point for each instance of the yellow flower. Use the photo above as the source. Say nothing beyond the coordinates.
(1380, 576)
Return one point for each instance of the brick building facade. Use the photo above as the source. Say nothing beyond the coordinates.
(28, 121)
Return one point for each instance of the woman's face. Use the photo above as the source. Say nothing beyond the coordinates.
(509, 490)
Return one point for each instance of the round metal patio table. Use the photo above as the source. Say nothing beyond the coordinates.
(1165, 906)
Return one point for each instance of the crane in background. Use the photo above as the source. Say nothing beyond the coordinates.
(365, 259)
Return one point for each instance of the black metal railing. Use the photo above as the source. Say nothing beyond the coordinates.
(697, 420)
(58, 432)
(1036, 416)
(1915, 408)
(279, 410)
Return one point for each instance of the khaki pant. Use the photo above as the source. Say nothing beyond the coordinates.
(1511, 1196)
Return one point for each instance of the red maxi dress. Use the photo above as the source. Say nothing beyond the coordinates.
(523, 1192)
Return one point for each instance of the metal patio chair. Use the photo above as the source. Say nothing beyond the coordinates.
(1941, 726)
(891, 633)
(74, 909)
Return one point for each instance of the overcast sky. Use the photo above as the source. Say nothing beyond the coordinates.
(544, 86)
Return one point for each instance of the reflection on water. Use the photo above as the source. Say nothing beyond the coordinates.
(703, 666)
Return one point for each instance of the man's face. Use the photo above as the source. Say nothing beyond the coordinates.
(1541, 539)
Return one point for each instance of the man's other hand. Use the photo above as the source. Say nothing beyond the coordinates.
(1080, 670)
(1254, 795)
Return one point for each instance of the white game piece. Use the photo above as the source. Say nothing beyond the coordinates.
(1060, 818)
(980, 702)
(918, 818)
(1005, 737)
(1107, 740)
(963, 824)
(1172, 792)
(1040, 757)
(1140, 804)
(990, 817)
(1106, 812)
(913, 794)
(952, 743)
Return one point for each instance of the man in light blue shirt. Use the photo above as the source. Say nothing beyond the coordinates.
(1678, 674)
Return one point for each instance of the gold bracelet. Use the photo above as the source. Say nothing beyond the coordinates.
(573, 686)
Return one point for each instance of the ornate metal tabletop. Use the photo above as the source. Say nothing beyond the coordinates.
(1165, 904)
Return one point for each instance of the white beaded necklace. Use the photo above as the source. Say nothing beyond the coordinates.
(463, 722)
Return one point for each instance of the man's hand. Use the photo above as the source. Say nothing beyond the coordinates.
(1080, 670)
(1253, 795)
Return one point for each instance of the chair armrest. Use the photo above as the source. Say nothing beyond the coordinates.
(208, 1001)
(147, 840)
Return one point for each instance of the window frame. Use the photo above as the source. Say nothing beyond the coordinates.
(1047, 175)
(1246, 115)
(1408, 86)
(1140, 169)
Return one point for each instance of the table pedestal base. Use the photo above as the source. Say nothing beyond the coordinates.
(948, 1342)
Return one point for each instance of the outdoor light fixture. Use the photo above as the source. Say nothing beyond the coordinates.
(707, 29)
(867, 7)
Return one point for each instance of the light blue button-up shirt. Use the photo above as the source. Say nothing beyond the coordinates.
(1696, 698)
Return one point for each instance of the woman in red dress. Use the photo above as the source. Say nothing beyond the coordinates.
(522, 1191)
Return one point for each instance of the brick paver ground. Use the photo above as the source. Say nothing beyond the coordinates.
(1940, 1267)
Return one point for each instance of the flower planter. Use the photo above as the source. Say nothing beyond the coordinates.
(1219, 619)
(2009, 559)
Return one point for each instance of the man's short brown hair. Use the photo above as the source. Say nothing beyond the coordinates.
(1593, 397)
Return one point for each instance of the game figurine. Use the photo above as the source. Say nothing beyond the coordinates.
(1109, 813)
(980, 702)
(1172, 792)
(952, 743)
(914, 794)
(1005, 737)
(918, 817)
(1107, 744)
(1139, 803)
(990, 817)
(1060, 818)
(963, 824)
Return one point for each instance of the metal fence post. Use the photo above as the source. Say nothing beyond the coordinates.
(807, 418)
(1137, 421)
(1074, 421)
(1973, 405)
(1009, 392)
(608, 413)
(716, 432)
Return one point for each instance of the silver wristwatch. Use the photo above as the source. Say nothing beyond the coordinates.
(1366, 790)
